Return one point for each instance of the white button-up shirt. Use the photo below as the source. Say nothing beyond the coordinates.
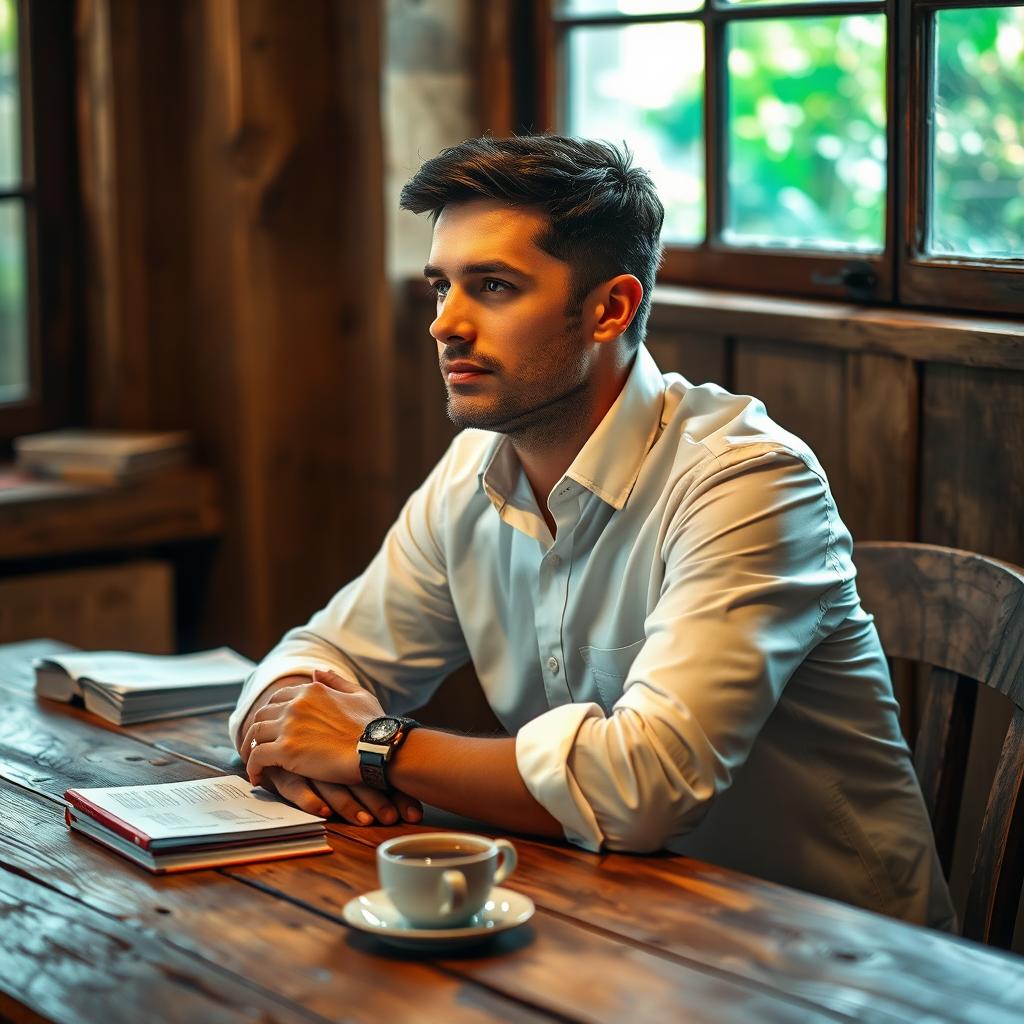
(685, 664)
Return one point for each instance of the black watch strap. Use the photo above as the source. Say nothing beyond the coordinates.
(371, 767)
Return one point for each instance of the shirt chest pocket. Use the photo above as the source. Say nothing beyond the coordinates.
(609, 667)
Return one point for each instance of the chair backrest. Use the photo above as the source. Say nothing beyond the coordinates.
(963, 615)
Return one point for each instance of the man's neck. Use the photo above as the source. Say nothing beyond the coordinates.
(546, 461)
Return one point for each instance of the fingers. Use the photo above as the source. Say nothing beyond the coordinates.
(343, 802)
(282, 696)
(379, 803)
(361, 805)
(263, 731)
(296, 790)
(261, 757)
(335, 681)
(408, 808)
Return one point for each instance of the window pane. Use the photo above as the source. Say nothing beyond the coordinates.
(13, 303)
(978, 139)
(747, 3)
(10, 125)
(585, 7)
(644, 84)
(806, 133)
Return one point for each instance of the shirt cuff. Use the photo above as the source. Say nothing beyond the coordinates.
(543, 748)
(269, 672)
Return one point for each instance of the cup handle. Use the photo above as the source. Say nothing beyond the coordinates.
(456, 891)
(508, 858)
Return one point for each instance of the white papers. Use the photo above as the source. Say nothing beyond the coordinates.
(122, 672)
(222, 807)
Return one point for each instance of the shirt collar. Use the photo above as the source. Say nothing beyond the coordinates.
(609, 463)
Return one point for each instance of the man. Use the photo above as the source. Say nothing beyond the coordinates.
(650, 578)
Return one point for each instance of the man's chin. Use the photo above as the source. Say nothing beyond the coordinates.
(464, 416)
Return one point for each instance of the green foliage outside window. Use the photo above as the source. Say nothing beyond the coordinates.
(978, 162)
(806, 126)
(13, 298)
(10, 148)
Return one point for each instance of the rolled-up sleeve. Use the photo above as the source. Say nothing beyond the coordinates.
(750, 565)
(393, 629)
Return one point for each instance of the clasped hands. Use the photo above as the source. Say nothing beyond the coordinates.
(305, 749)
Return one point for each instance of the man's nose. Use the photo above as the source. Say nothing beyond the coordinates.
(452, 322)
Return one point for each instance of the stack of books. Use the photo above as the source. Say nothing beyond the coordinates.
(100, 456)
(127, 688)
(183, 826)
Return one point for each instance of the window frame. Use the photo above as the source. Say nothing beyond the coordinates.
(943, 282)
(48, 191)
(905, 275)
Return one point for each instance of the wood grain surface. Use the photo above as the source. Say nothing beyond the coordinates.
(661, 937)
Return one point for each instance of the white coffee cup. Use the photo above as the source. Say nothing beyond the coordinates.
(441, 879)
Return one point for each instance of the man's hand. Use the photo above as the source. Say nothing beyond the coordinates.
(357, 804)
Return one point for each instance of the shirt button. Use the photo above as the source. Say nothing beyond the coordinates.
(553, 665)
(554, 561)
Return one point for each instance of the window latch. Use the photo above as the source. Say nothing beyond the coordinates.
(857, 276)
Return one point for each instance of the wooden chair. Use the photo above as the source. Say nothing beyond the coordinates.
(963, 615)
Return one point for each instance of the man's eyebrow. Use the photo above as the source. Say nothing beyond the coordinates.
(487, 267)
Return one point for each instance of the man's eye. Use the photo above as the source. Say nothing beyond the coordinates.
(440, 288)
(498, 286)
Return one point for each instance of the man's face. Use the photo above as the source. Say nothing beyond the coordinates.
(512, 360)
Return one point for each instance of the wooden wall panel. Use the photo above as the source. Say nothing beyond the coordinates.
(290, 261)
(112, 129)
(234, 200)
(881, 446)
(804, 390)
(858, 412)
(972, 460)
(698, 357)
(120, 607)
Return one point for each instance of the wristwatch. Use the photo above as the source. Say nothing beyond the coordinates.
(380, 739)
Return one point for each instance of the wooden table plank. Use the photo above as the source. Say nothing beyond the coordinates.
(719, 925)
(830, 954)
(66, 962)
(569, 966)
(202, 738)
(44, 748)
(840, 963)
(296, 955)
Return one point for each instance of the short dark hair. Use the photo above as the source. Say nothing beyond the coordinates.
(605, 215)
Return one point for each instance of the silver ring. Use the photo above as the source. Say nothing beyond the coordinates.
(252, 746)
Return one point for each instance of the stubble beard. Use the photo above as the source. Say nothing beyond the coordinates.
(539, 422)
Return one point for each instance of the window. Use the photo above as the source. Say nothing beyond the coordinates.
(864, 149)
(38, 225)
(14, 375)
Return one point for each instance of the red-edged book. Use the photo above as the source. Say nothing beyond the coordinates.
(182, 826)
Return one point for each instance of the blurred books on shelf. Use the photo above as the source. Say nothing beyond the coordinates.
(181, 826)
(89, 455)
(126, 688)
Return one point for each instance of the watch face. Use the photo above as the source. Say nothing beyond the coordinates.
(381, 730)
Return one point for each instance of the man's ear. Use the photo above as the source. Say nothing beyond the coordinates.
(615, 303)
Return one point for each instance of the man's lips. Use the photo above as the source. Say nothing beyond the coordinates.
(460, 371)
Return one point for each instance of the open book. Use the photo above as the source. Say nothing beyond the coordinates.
(126, 688)
(181, 826)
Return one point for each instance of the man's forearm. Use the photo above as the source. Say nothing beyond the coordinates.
(472, 776)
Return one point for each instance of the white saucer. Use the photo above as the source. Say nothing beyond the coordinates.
(373, 912)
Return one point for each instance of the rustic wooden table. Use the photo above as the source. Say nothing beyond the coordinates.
(87, 936)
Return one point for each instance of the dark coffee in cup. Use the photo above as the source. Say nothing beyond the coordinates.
(442, 879)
